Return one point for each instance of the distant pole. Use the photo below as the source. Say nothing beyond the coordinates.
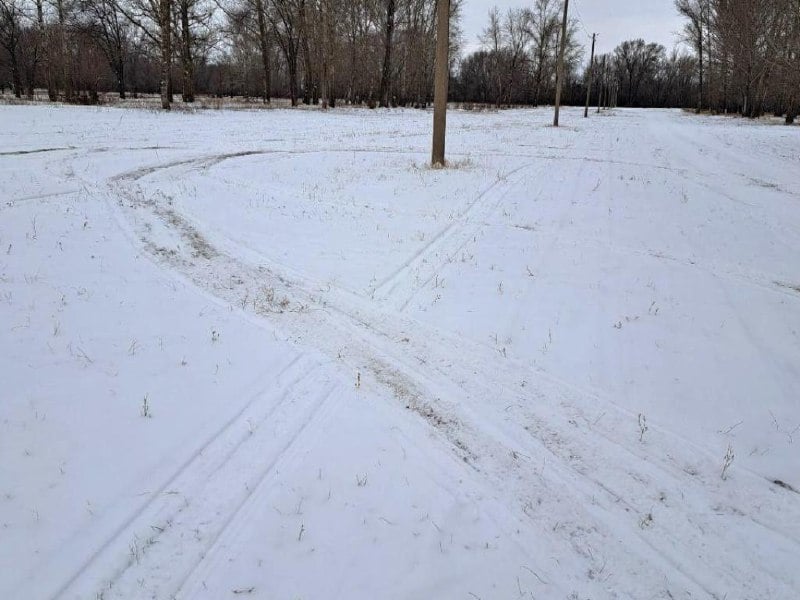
(591, 75)
(441, 81)
(560, 69)
(602, 86)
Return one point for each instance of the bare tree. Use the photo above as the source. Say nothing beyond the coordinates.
(110, 30)
(165, 35)
(386, 71)
(635, 61)
(11, 16)
(46, 50)
(264, 47)
(560, 67)
(285, 20)
(493, 39)
(64, 10)
(367, 51)
(544, 30)
(696, 12)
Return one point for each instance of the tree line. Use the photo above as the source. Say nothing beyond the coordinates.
(747, 55)
(744, 57)
(376, 52)
(516, 65)
(741, 55)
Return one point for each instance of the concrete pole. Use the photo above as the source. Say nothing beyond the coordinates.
(441, 82)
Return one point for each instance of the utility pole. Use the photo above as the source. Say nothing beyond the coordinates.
(601, 98)
(441, 81)
(591, 75)
(560, 69)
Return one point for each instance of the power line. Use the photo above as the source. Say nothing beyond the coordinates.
(580, 20)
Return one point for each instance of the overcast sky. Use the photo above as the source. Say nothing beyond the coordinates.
(613, 20)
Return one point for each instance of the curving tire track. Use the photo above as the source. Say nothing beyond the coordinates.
(525, 432)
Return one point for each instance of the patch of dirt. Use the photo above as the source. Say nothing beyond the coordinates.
(200, 246)
(405, 391)
(794, 287)
(784, 485)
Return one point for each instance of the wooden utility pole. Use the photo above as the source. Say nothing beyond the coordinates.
(591, 75)
(560, 68)
(442, 79)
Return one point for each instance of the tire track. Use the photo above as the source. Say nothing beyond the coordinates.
(243, 515)
(162, 504)
(400, 287)
(487, 439)
(177, 551)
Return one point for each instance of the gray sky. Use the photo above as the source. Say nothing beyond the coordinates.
(614, 20)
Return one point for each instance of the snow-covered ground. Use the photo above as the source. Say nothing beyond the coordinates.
(272, 354)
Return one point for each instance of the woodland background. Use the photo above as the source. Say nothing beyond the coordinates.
(740, 55)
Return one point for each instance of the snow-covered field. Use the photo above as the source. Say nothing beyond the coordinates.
(273, 355)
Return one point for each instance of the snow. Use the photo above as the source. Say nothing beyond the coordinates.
(272, 354)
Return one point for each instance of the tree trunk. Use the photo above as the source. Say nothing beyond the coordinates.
(16, 80)
(700, 91)
(120, 72)
(351, 89)
(538, 82)
(263, 40)
(293, 87)
(166, 51)
(65, 55)
(791, 108)
(187, 61)
(30, 79)
(391, 7)
(603, 77)
(305, 46)
(46, 51)
(308, 75)
(170, 79)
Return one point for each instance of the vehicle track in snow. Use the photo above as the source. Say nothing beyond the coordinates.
(232, 490)
(400, 287)
(421, 372)
(213, 478)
